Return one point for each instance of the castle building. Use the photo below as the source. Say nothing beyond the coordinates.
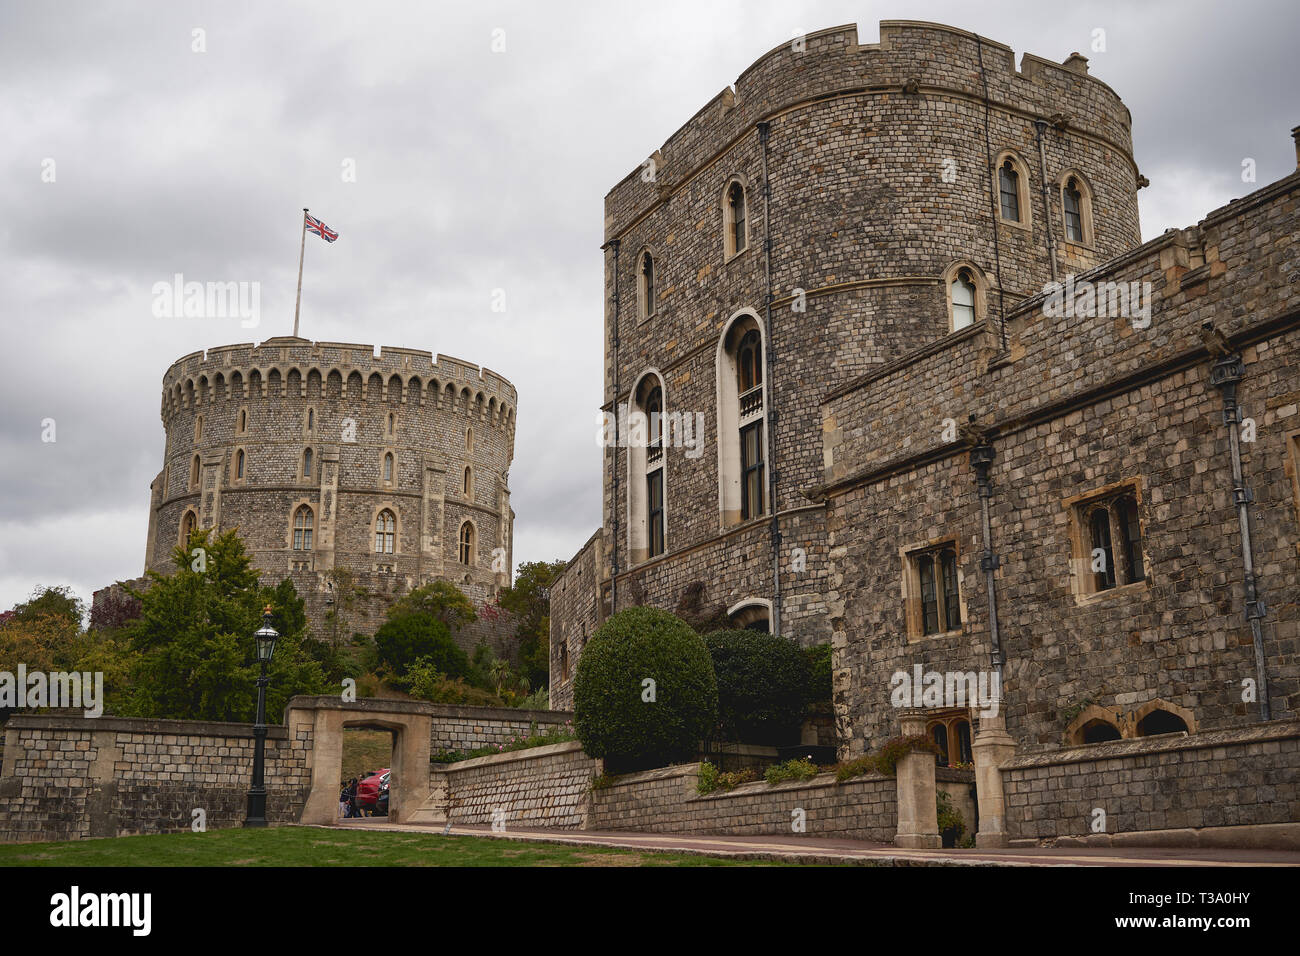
(956, 415)
(358, 473)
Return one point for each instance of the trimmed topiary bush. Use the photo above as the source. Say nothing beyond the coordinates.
(762, 686)
(611, 714)
(819, 677)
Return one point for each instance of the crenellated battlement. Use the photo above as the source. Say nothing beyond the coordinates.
(912, 59)
(298, 368)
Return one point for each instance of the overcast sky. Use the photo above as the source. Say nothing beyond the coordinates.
(475, 170)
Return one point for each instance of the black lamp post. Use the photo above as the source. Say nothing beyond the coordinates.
(265, 638)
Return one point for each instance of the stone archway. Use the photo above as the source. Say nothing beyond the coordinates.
(316, 725)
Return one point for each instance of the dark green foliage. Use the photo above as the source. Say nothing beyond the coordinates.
(819, 673)
(194, 638)
(404, 639)
(762, 686)
(47, 602)
(528, 599)
(885, 760)
(611, 716)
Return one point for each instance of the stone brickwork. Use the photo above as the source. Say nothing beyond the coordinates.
(878, 182)
(666, 801)
(1173, 782)
(275, 401)
(469, 728)
(70, 778)
(1074, 406)
(539, 787)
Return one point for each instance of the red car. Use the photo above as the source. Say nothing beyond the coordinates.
(372, 793)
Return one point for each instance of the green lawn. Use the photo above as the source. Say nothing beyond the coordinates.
(309, 846)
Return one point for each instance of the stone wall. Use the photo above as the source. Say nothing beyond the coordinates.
(469, 728)
(539, 787)
(666, 801)
(1247, 777)
(1075, 406)
(69, 778)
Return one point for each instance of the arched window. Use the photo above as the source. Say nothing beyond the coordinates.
(654, 410)
(194, 472)
(564, 662)
(749, 362)
(302, 526)
(1098, 731)
(392, 423)
(469, 482)
(742, 442)
(734, 218)
(1107, 530)
(243, 420)
(388, 466)
(1073, 211)
(964, 294)
(385, 532)
(1009, 191)
(198, 428)
(306, 463)
(965, 752)
(188, 525)
(311, 419)
(469, 439)
(467, 543)
(647, 469)
(645, 286)
(939, 733)
(1076, 209)
(1161, 722)
(239, 464)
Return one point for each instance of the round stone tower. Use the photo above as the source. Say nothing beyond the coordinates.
(358, 473)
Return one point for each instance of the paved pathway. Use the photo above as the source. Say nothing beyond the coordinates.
(824, 850)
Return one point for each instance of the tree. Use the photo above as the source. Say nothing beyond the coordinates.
(441, 600)
(45, 601)
(529, 599)
(406, 638)
(644, 694)
(194, 637)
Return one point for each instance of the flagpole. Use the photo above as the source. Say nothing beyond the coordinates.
(301, 249)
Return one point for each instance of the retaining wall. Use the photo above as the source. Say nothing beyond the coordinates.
(665, 800)
(1164, 789)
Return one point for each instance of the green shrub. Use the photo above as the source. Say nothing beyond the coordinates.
(819, 673)
(884, 760)
(762, 686)
(615, 719)
(800, 769)
(404, 639)
(711, 779)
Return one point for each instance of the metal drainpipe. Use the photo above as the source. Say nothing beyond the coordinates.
(981, 459)
(1039, 126)
(613, 575)
(763, 129)
(1225, 375)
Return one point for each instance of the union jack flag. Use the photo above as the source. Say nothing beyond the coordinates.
(322, 230)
